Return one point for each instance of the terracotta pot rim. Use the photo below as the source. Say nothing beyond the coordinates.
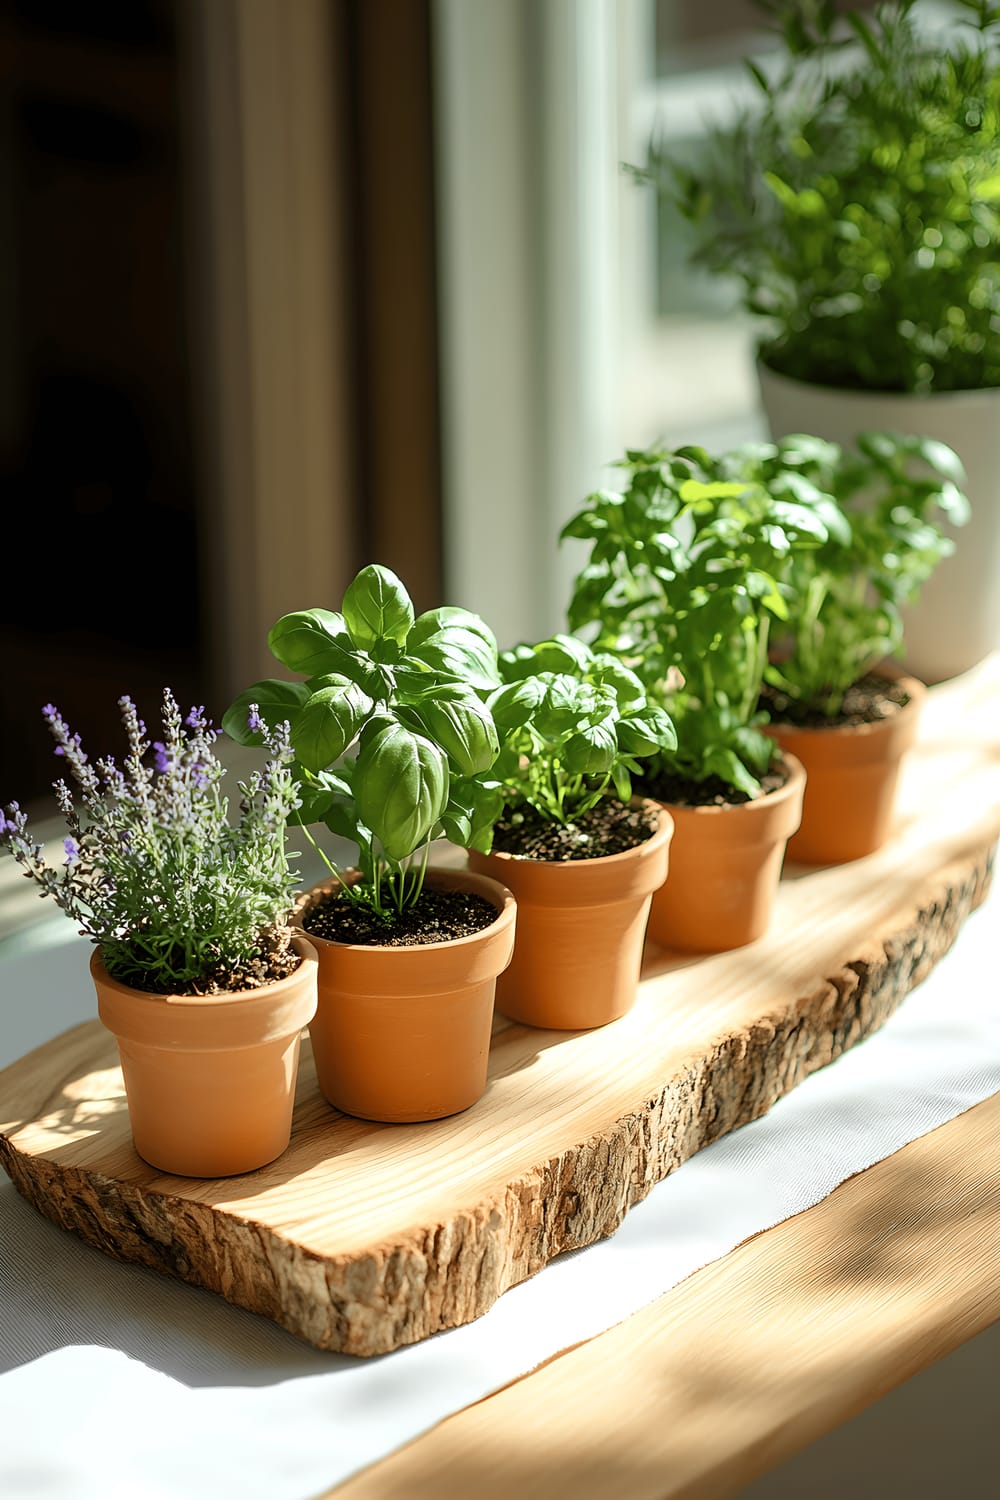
(494, 891)
(301, 942)
(757, 805)
(662, 833)
(915, 687)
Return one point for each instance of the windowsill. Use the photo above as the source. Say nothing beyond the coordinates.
(693, 381)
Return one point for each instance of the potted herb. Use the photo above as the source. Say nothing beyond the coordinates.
(854, 204)
(683, 583)
(581, 854)
(833, 689)
(198, 971)
(392, 736)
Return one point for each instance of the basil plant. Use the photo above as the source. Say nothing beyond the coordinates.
(390, 727)
(686, 575)
(884, 503)
(575, 726)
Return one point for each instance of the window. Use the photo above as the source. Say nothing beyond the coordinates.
(572, 326)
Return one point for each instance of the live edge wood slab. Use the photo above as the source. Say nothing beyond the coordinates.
(363, 1237)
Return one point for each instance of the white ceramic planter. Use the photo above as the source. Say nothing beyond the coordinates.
(956, 621)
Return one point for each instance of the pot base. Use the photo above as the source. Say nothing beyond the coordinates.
(853, 776)
(725, 865)
(580, 931)
(402, 1035)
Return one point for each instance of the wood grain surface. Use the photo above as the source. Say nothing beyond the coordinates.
(365, 1237)
(752, 1358)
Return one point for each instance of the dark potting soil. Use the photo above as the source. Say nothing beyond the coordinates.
(866, 701)
(437, 917)
(713, 792)
(276, 960)
(609, 828)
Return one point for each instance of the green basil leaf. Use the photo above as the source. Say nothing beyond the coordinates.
(449, 619)
(622, 781)
(462, 726)
(954, 504)
(329, 722)
(377, 608)
(942, 458)
(799, 518)
(318, 794)
(725, 763)
(610, 671)
(456, 644)
(591, 751)
(512, 706)
(460, 654)
(562, 707)
(401, 788)
(308, 640)
(647, 733)
(471, 814)
(563, 654)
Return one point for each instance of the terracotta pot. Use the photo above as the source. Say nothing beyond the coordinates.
(580, 930)
(403, 1034)
(725, 865)
(210, 1080)
(853, 775)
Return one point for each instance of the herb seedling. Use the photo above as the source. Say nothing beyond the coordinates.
(882, 503)
(576, 726)
(390, 728)
(180, 898)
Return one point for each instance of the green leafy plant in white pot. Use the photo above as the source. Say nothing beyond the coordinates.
(684, 583)
(392, 736)
(855, 203)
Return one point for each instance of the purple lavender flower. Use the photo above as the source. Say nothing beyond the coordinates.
(13, 821)
(152, 854)
(114, 777)
(130, 715)
(254, 721)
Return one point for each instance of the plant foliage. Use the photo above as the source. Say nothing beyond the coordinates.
(179, 896)
(856, 201)
(391, 729)
(575, 726)
(684, 579)
(883, 502)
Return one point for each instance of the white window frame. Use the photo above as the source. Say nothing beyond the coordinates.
(552, 361)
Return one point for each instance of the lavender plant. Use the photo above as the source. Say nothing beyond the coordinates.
(180, 897)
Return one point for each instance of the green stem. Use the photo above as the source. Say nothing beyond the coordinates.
(751, 692)
(322, 854)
